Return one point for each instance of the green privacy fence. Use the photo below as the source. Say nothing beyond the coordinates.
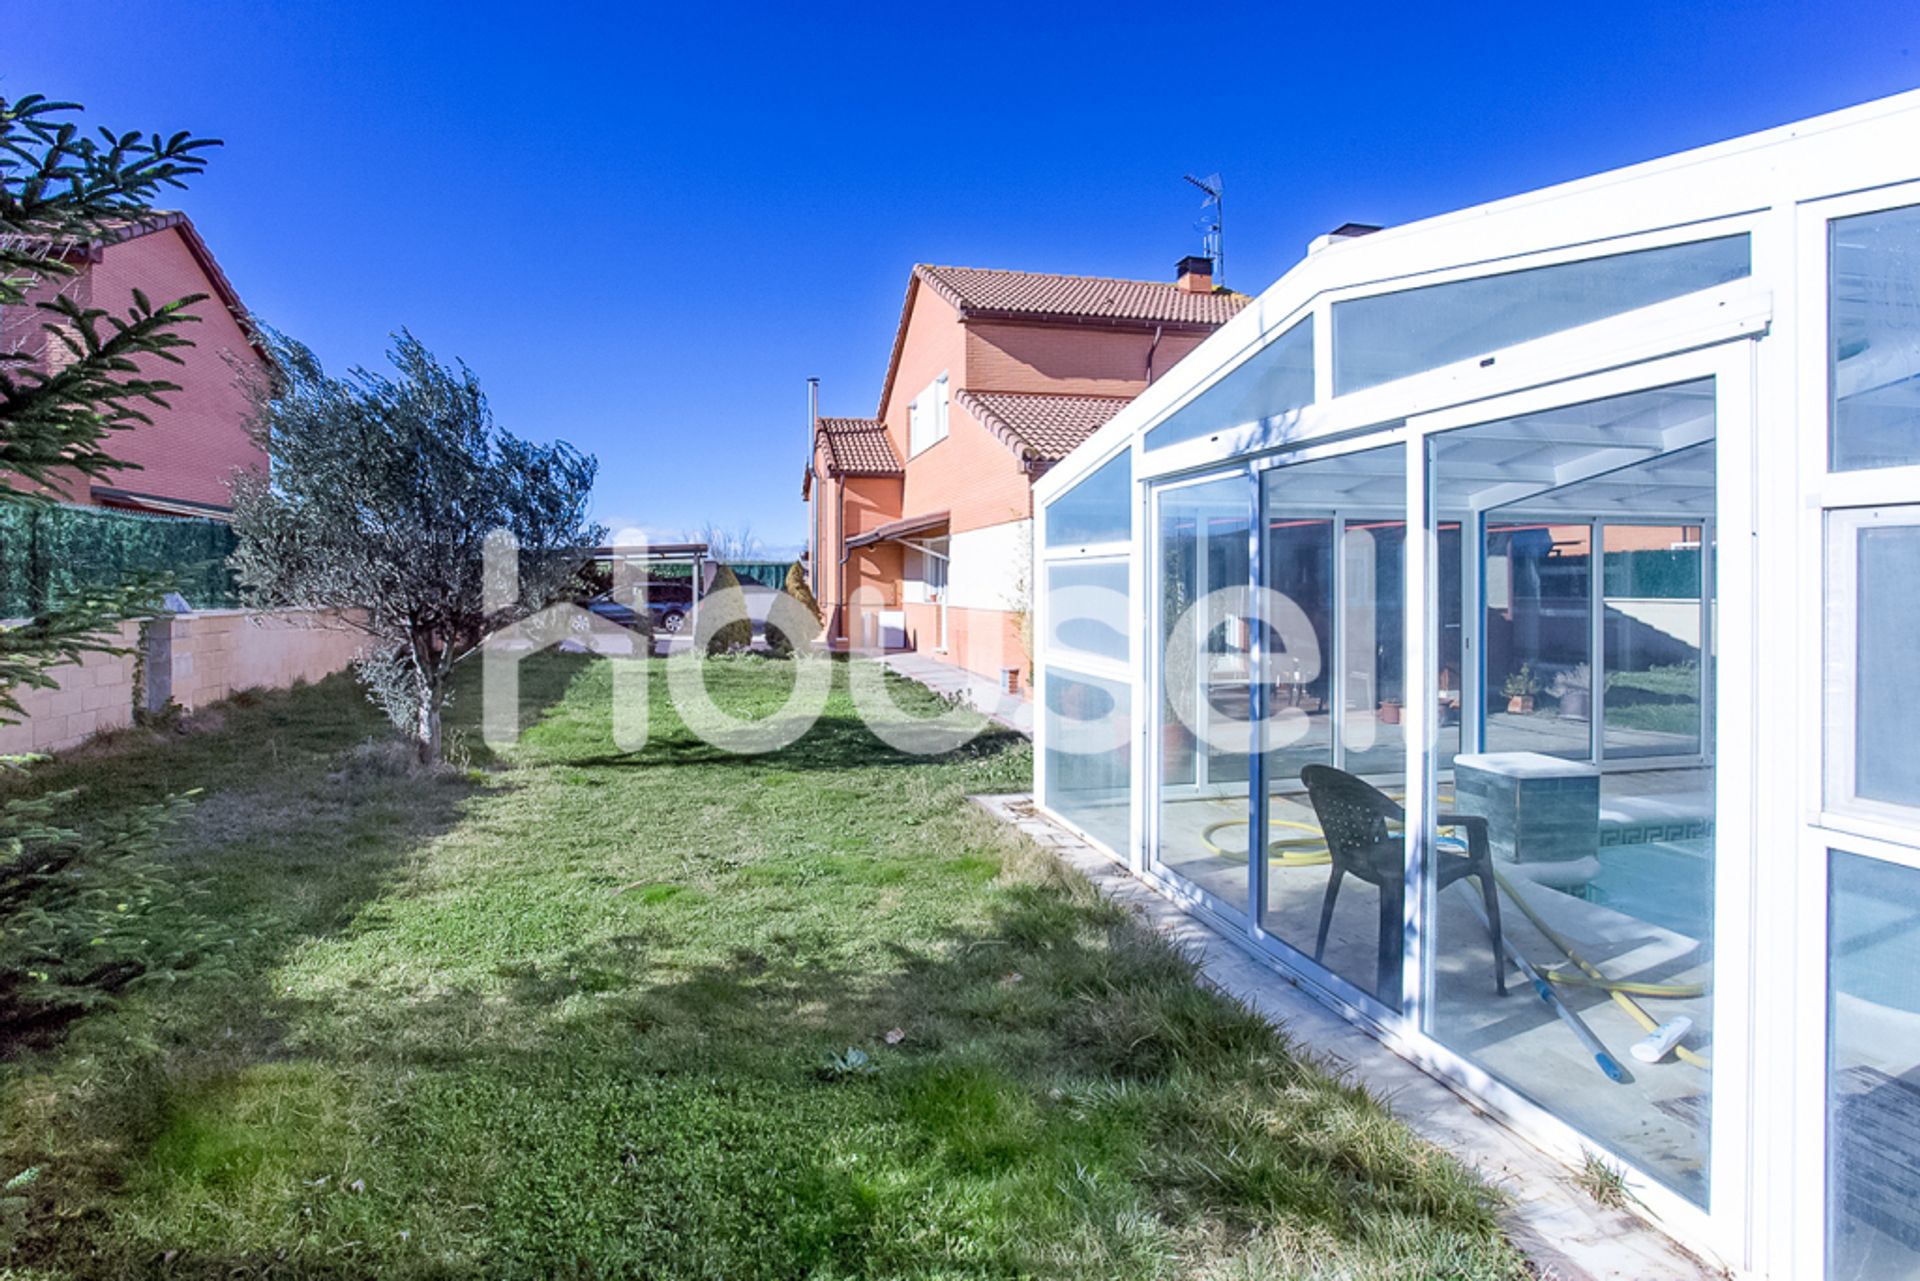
(1653, 574)
(49, 553)
(768, 573)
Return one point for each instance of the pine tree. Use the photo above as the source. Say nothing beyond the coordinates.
(60, 190)
(82, 913)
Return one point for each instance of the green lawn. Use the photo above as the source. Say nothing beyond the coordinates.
(575, 1013)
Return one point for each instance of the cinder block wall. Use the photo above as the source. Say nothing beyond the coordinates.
(92, 696)
(219, 651)
(207, 656)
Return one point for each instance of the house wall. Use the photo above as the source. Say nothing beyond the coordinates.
(972, 474)
(193, 446)
(1068, 360)
(933, 343)
(851, 505)
(197, 658)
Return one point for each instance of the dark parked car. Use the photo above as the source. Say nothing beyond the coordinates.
(670, 604)
(613, 611)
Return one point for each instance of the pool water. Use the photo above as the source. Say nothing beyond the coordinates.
(1665, 883)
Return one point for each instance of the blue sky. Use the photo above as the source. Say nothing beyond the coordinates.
(644, 226)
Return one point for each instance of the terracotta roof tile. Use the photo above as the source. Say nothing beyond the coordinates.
(1039, 429)
(1041, 295)
(859, 447)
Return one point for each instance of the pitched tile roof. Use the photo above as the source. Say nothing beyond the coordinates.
(1043, 295)
(1039, 429)
(859, 447)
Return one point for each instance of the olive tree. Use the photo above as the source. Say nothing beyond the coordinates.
(382, 492)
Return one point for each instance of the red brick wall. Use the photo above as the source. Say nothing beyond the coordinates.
(192, 447)
(1068, 360)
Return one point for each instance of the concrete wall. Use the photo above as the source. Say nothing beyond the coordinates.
(195, 659)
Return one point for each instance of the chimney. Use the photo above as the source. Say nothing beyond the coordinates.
(1194, 274)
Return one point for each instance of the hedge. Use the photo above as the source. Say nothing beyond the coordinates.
(47, 553)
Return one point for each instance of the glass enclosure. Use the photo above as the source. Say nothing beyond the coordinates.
(1334, 554)
(1277, 380)
(1086, 689)
(1448, 751)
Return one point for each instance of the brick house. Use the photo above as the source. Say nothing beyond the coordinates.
(918, 534)
(186, 456)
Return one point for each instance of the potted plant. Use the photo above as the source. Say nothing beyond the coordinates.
(1520, 687)
(1574, 690)
(1389, 711)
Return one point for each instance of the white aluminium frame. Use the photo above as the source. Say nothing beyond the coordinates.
(1821, 503)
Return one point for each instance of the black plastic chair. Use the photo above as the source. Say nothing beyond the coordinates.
(1353, 817)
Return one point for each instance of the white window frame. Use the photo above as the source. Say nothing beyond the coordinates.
(1822, 500)
(1841, 802)
(928, 417)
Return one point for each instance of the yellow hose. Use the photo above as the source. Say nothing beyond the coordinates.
(1621, 992)
(1312, 852)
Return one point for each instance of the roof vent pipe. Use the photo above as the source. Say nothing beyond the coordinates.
(813, 417)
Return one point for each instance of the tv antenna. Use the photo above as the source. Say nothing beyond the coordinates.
(1212, 211)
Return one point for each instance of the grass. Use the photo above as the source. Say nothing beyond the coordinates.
(669, 1013)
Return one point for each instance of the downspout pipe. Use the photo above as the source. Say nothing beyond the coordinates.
(1153, 347)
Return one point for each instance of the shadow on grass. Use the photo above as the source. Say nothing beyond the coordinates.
(294, 832)
(1050, 1080)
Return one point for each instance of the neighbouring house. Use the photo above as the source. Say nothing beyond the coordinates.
(184, 459)
(1520, 604)
(919, 534)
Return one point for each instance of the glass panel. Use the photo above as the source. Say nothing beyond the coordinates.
(1206, 685)
(1539, 635)
(1651, 585)
(1087, 609)
(1334, 561)
(1873, 1070)
(1597, 879)
(1449, 571)
(1388, 336)
(1886, 677)
(1274, 381)
(1087, 754)
(1874, 339)
(1097, 510)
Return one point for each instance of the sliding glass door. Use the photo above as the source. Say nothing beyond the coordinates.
(1595, 598)
(1333, 560)
(1203, 544)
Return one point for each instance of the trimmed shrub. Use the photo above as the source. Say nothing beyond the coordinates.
(798, 589)
(781, 644)
(734, 635)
